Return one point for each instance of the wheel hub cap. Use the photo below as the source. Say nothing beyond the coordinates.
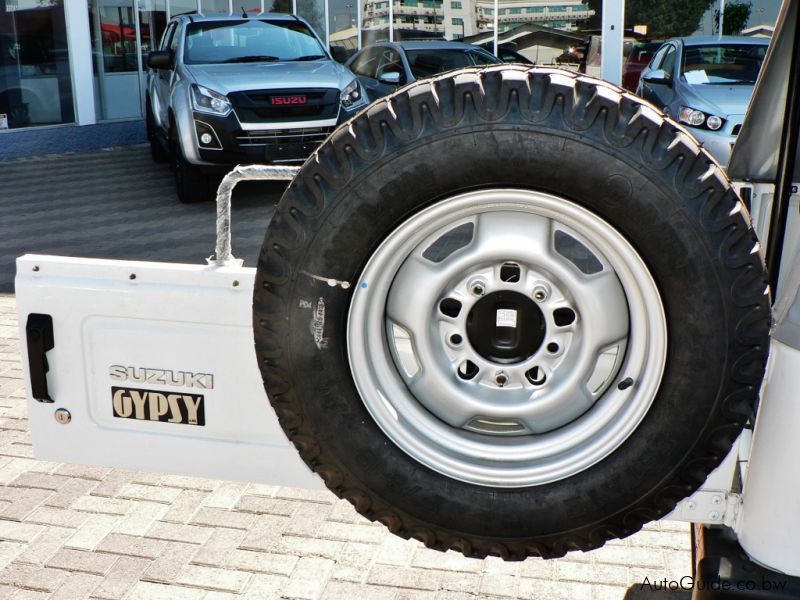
(505, 327)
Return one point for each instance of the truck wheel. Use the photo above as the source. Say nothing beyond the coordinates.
(511, 312)
(191, 184)
(158, 153)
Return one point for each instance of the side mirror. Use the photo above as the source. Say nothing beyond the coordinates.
(339, 54)
(659, 77)
(392, 78)
(160, 59)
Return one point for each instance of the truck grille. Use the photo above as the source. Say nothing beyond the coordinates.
(255, 106)
(280, 137)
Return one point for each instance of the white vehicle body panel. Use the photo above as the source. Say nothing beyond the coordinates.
(171, 318)
(769, 518)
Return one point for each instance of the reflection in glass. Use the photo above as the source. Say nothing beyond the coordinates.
(35, 86)
(313, 11)
(152, 22)
(375, 22)
(342, 24)
(212, 7)
(116, 59)
(179, 7)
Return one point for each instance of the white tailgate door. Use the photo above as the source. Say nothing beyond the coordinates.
(154, 364)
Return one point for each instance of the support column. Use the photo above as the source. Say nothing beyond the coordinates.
(79, 44)
(613, 34)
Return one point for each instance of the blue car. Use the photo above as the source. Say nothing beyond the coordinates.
(706, 84)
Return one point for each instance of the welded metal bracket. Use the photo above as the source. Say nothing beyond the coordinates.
(223, 255)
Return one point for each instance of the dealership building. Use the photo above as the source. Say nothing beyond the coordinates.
(73, 75)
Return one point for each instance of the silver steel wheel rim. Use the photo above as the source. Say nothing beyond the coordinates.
(502, 427)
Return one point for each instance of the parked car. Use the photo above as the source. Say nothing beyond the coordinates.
(382, 68)
(507, 54)
(639, 56)
(706, 84)
(226, 90)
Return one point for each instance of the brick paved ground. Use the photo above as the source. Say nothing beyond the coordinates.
(71, 531)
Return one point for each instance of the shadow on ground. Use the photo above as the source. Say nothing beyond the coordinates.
(117, 204)
(635, 592)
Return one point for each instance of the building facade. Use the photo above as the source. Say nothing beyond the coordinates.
(72, 72)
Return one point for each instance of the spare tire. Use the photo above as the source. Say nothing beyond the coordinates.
(511, 312)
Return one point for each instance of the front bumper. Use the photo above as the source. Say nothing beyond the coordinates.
(235, 143)
(718, 143)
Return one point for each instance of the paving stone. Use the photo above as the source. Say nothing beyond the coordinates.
(77, 585)
(166, 567)
(103, 505)
(184, 506)
(32, 577)
(217, 550)
(402, 577)
(45, 546)
(349, 532)
(152, 493)
(140, 518)
(262, 562)
(10, 551)
(226, 495)
(192, 534)
(303, 546)
(212, 578)
(265, 586)
(215, 517)
(130, 545)
(88, 535)
(50, 515)
(19, 532)
(145, 590)
(83, 561)
(122, 577)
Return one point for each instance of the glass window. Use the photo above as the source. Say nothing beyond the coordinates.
(535, 9)
(659, 58)
(313, 11)
(390, 62)
(181, 7)
(152, 22)
(116, 59)
(374, 22)
(342, 25)
(515, 11)
(256, 40)
(669, 60)
(367, 62)
(426, 63)
(458, 21)
(35, 85)
(455, 5)
(723, 64)
(212, 7)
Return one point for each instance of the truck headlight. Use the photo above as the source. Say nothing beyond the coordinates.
(697, 118)
(208, 101)
(352, 96)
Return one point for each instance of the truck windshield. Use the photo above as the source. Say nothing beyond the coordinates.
(254, 40)
(723, 64)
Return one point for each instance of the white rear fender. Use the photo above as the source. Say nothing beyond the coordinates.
(155, 367)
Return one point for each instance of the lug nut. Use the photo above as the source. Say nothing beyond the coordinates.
(478, 289)
(501, 379)
(540, 293)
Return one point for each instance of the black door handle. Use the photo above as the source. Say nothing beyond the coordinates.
(39, 335)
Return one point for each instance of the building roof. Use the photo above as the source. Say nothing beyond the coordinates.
(725, 39)
(431, 45)
(544, 35)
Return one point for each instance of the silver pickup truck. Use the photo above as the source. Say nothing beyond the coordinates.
(228, 90)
